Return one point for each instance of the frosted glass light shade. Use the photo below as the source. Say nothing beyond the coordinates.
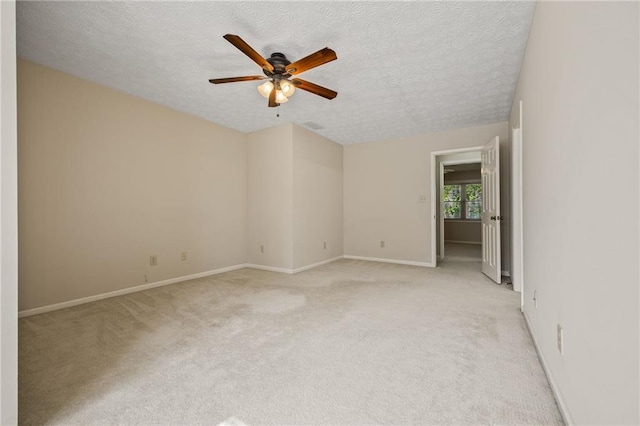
(280, 97)
(265, 88)
(287, 88)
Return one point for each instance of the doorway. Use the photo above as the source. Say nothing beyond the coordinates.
(461, 210)
(452, 203)
(449, 163)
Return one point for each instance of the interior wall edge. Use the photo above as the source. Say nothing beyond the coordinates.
(315, 265)
(8, 217)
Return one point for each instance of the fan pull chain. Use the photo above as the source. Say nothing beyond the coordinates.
(278, 112)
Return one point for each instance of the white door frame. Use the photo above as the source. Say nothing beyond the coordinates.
(517, 235)
(8, 218)
(435, 202)
(443, 164)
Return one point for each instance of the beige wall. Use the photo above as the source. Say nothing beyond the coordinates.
(461, 231)
(317, 198)
(383, 185)
(294, 198)
(579, 87)
(270, 197)
(107, 179)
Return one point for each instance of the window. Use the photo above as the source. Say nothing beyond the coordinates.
(462, 201)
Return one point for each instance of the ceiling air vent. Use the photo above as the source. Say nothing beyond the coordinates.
(312, 125)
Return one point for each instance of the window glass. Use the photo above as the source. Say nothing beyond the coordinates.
(462, 201)
(452, 199)
(473, 210)
(473, 205)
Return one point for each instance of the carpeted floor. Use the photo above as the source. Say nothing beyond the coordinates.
(351, 342)
(463, 252)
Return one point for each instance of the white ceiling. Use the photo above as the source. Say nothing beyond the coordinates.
(403, 68)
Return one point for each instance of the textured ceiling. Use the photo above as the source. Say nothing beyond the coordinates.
(403, 68)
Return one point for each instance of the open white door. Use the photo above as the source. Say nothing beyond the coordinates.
(490, 160)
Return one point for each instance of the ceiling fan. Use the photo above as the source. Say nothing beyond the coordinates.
(279, 70)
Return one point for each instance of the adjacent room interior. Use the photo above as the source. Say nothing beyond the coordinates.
(181, 252)
(462, 210)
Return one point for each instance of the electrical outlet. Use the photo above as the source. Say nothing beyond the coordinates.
(324, 245)
(261, 248)
(381, 244)
(153, 260)
(560, 339)
(535, 298)
(183, 256)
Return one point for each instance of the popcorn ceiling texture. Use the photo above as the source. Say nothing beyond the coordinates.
(403, 68)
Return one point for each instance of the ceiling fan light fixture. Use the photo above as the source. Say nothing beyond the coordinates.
(287, 88)
(278, 88)
(280, 97)
(265, 88)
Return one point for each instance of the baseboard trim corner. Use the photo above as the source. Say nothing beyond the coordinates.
(268, 268)
(314, 265)
(564, 410)
(121, 292)
(396, 261)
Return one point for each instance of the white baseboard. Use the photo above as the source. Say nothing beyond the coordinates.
(314, 265)
(291, 271)
(564, 410)
(121, 292)
(269, 268)
(505, 274)
(399, 262)
(83, 300)
(463, 242)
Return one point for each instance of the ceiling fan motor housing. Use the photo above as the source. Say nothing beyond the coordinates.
(279, 62)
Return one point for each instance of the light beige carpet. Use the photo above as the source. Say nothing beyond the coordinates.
(463, 252)
(351, 342)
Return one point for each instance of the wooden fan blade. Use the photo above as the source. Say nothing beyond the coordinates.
(314, 60)
(234, 79)
(314, 88)
(248, 50)
(272, 98)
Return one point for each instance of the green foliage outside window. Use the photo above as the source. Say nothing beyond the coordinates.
(473, 192)
(462, 201)
(452, 198)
